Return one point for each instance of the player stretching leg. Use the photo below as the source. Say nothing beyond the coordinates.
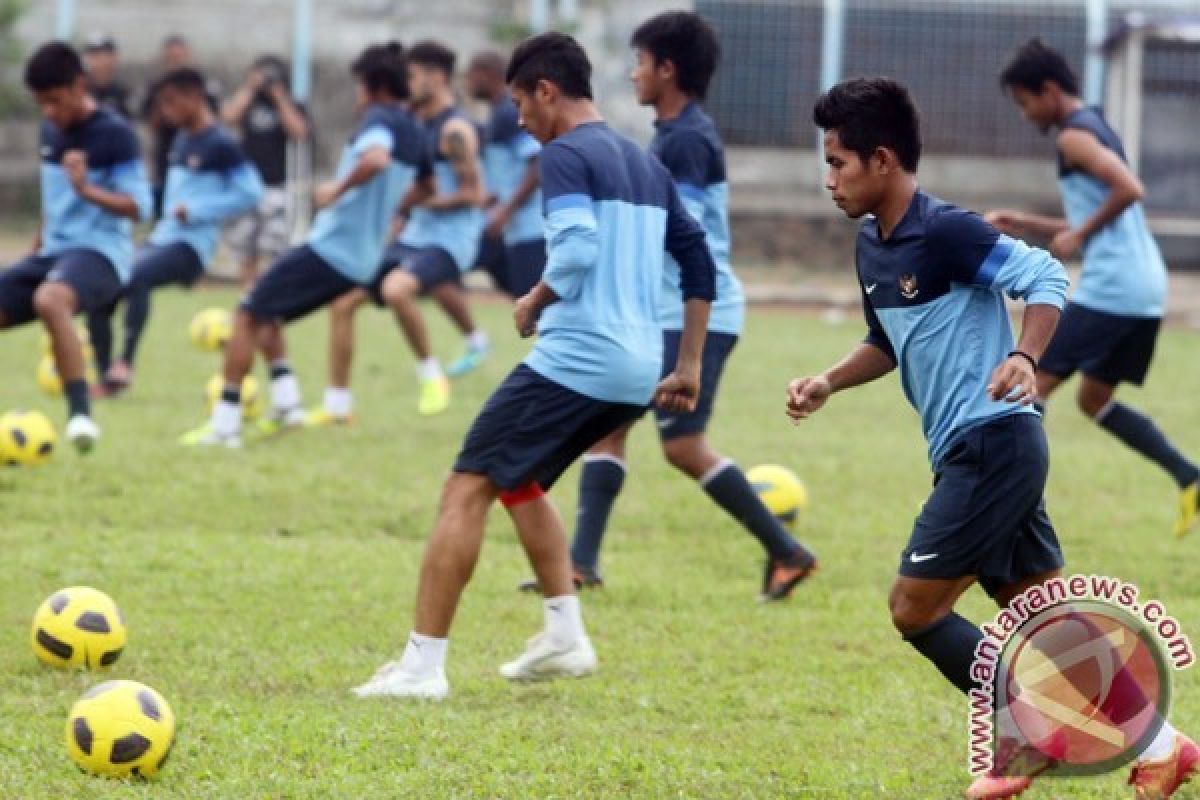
(208, 182)
(93, 189)
(677, 53)
(378, 166)
(611, 210)
(1110, 326)
(933, 278)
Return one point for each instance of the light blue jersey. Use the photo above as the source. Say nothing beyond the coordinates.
(690, 148)
(114, 163)
(1123, 270)
(351, 234)
(611, 210)
(210, 177)
(457, 231)
(507, 153)
(933, 294)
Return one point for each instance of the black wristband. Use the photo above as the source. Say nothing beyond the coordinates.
(1032, 361)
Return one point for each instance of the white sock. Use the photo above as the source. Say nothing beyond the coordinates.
(285, 392)
(478, 339)
(227, 418)
(564, 620)
(1160, 748)
(423, 654)
(339, 402)
(429, 369)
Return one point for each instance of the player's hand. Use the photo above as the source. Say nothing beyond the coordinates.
(805, 396)
(1066, 244)
(1013, 381)
(525, 314)
(325, 195)
(75, 164)
(181, 213)
(1004, 220)
(255, 80)
(498, 220)
(678, 392)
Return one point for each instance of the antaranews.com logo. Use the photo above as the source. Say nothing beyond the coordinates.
(1073, 678)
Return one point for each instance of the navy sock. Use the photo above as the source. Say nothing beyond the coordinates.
(950, 644)
(280, 369)
(1140, 433)
(99, 325)
(231, 395)
(137, 311)
(730, 490)
(599, 485)
(78, 401)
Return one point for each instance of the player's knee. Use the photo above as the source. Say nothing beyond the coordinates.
(683, 456)
(398, 288)
(53, 300)
(910, 614)
(1093, 398)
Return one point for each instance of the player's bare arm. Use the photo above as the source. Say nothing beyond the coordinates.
(1025, 225)
(865, 363)
(680, 390)
(1083, 151)
(1015, 379)
(461, 146)
(502, 214)
(529, 308)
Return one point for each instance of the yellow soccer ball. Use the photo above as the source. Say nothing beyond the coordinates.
(49, 380)
(78, 627)
(780, 490)
(81, 331)
(252, 403)
(27, 438)
(119, 729)
(210, 329)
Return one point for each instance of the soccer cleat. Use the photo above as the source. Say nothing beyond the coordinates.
(281, 421)
(780, 578)
(322, 418)
(584, 578)
(1158, 780)
(469, 361)
(82, 432)
(207, 436)
(545, 659)
(1189, 510)
(1017, 763)
(118, 379)
(392, 680)
(435, 396)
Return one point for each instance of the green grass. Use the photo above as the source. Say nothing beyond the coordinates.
(260, 585)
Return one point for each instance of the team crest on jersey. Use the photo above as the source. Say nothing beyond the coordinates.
(194, 162)
(908, 286)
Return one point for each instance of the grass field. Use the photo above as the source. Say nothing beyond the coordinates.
(260, 585)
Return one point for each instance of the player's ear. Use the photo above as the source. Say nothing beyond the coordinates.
(883, 160)
(546, 92)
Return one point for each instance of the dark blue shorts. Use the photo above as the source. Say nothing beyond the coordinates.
(431, 266)
(531, 429)
(492, 257)
(515, 268)
(90, 274)
(717, 347)
(297, 284)
(1110, 348)
(165, 265)
(986, 516)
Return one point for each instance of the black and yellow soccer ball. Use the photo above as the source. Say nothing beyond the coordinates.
(119, 729)
(78, 627)
(780, 490)
(211, 329)
(26, 438)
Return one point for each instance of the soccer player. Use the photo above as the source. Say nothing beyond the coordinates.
(610, 211)
(513, 248)
(933, 278)
(677, 54)
(209, 181)
(1109, 329)
(94, 189)
(378, 165)
(442, 222)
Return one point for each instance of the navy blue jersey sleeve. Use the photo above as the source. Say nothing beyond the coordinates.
(224, 154)
(963, 245)
(112, 144)
(688, 157)
(572, 232)
(686, 244)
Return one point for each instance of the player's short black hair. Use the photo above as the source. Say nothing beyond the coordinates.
(688, 41)
(381, 67)
(553, 57)
(185, 79)
(1034, 64)
(868, 113)
(429, 53)
(54, 65)
(489, 61)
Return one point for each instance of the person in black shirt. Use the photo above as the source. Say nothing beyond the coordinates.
(100, 59)
(268, 118)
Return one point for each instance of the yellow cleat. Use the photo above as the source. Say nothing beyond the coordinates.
(1189, 510)
(321, 418)
(435, 396)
